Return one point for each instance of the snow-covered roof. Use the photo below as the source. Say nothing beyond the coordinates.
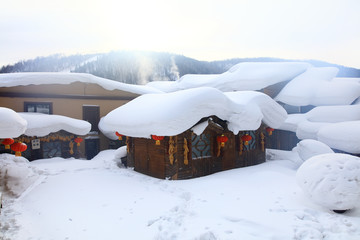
(242, 76)
(169, 114)
(11, 124)
(40, 124)
(318, 87)
(336, 126)
(306, 85)
(38, 78)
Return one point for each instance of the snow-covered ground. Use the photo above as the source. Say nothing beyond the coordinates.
(97, 199)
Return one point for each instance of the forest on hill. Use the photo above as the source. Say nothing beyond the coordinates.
(140, 67)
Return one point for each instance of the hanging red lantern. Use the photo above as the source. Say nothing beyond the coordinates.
(269, 130)
(246, 138)
(157, 139)
(7, 142)
(222, 139)
(18, 148)
(119, 135)
(78, 140)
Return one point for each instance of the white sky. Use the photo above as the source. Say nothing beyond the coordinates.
(203, 29)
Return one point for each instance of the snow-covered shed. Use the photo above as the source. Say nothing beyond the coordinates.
(44, 135)
(74, 95)
(194, 132)
(50, 135)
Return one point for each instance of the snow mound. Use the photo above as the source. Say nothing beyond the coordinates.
(331, 180)
(40, 124)
(309, 148)
(120, 152)
(170, 114)
(16, 174)
(241, 77)
(12, 124)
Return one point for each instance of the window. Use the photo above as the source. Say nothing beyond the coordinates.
(51, 149)
(200, 145)
(39, 107)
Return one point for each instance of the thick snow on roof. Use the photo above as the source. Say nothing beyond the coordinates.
(43, 124)
(242, 76)
(11, 124)
(336, 126)
(319, 87)
(170, 114)
(38, 78)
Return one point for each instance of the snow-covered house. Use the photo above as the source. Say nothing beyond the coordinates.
(74, 95)
(299, 88)
(49, 135)
(194, 132)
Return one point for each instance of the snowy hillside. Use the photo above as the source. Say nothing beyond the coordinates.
(140, 67)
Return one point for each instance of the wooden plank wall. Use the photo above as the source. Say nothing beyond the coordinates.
(155, 160)
(282, 140)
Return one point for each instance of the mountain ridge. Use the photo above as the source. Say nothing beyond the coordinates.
(140, 67)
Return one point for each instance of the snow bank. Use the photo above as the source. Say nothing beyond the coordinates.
(120, 152)
(43, 124)
(12, 125)
(309, 148)
(38, 78)
(170, 114)
(16, 174)
(242, 76)
(331, 180)
(318, 86)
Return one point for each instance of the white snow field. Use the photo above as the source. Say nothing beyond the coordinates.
(97, 199)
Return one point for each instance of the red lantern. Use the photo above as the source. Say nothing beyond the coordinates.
(157, 139)
(119, 135)
(246, 138)
(7, 142)
(269, 130)
(222, 140)
(78, 140)
(18, 148)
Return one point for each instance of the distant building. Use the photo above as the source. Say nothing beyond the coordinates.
(74, 95)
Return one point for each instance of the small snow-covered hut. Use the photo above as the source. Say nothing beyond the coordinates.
(48, 136)
(194, 132)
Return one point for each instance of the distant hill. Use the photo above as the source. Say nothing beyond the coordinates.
(139, 67)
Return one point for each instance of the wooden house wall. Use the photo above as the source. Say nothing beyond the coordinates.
(59, 144)
(172, 159)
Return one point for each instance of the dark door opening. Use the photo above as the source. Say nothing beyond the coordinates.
(91, 113)
(91, 147)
